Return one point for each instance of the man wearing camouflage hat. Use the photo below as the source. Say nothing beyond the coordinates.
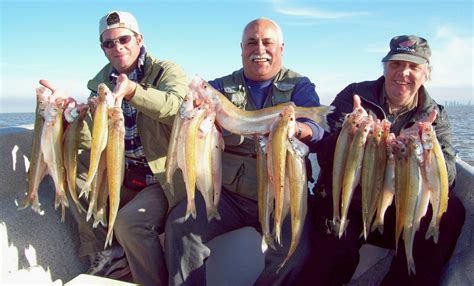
(400, 97)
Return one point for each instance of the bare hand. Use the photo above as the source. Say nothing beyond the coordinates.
(124, 88)
(56, 92)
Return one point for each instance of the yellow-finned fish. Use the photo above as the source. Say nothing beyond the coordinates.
(115, 152)
(265, 194)
(344, 139)
(383, 131)
(367, 179)
(388, 191)
(245, 122)
(186, 156)
(100, 215)
(52, 149)
(203, 167)
(171, 164)
(278, 137)
(38, 168)
(97, 187)
(218, 146)
(71, 146)
(298, 187)
(413, 190)
(437, 174)
(99, 137)
(352, 170)
(400, 152)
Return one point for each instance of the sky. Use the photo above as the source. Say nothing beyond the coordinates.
(333, 42)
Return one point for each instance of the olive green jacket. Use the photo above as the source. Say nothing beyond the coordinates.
(239, 172)
(157, 99)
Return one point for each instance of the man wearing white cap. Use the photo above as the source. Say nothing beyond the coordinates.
(154, 90)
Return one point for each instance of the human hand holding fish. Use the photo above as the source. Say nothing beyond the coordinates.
(124, 88)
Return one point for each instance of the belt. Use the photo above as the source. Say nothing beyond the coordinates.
(249, 155)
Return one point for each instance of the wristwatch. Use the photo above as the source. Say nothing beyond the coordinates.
(298, 130)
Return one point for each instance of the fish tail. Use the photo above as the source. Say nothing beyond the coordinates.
(86, 189)
(169, 187)
(432, 231)
(63, 212)
(282, 264)
(267, 241)
(79, 206)
(100, 218)
(30, 201)
(90, 210)
(190, 209)
(342, 226)
(76, 201)
(108, 239)
(213, 213)
(278, 233)
(366, 232)
(377, 226)
(60, 199)
(411, 265)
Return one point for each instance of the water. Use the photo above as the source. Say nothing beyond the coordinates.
(462, 122)
(15, 119)
(461, 118)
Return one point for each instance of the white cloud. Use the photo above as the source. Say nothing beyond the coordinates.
(452, 59)
(316, 13)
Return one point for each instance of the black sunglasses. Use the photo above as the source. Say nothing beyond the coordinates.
(109, 44)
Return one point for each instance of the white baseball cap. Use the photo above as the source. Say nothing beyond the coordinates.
(118, 19)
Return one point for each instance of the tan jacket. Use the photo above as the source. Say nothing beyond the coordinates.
(157, 100)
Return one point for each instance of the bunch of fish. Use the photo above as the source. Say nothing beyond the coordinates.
(409, 168)
(107, 159)
(55, 152)
(54, 149)
(196, 145)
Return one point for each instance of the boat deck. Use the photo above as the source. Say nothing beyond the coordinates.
(39, 248)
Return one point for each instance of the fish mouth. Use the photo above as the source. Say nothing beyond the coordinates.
(260, 58)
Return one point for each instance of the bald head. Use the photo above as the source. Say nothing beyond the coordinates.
(267, 21)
